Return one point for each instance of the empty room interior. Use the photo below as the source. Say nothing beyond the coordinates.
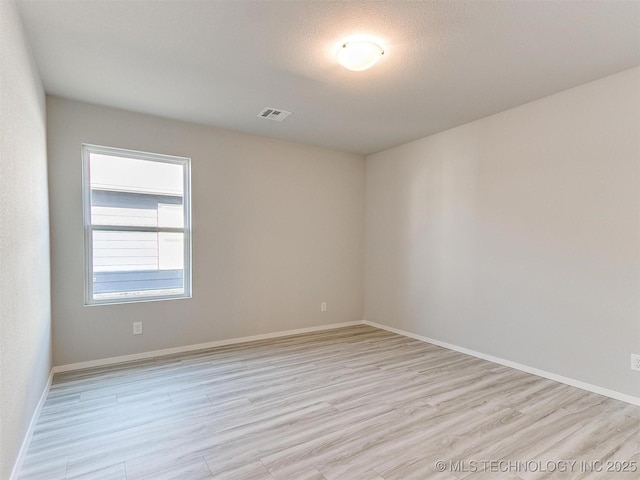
(319, 240)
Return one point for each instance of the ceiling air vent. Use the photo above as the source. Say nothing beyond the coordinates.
(274, 114)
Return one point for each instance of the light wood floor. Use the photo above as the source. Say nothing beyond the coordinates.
(351, 404)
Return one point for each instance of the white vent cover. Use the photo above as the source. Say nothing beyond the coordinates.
(274, 114)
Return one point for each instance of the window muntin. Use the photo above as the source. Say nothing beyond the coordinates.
(137, 226)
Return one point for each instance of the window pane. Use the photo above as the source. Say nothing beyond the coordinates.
(137, 264)
(132, 192)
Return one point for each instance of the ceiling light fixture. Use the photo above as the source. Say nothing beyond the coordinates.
(358, 56)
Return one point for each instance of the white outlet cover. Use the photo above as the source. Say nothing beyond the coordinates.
(137, 328)
(635, 362)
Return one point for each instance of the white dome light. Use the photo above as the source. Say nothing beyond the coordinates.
(358, 56)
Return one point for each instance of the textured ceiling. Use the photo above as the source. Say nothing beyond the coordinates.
(220, 62)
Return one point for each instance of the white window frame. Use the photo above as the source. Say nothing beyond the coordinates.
(87, 150)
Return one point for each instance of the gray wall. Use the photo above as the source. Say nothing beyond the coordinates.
(278, 228)
(25, 332)
(518, 235)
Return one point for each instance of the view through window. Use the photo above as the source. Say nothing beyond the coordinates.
(136, 225)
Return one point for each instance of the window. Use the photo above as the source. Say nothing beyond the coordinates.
(137, 226)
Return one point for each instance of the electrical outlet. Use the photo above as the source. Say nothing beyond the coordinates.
(635, 362)
(323, 307)
(137, 328)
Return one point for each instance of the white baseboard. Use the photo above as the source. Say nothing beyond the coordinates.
(17, 466)
(190, 348)
(518, 366)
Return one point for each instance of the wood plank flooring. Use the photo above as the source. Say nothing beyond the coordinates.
(356, 403)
